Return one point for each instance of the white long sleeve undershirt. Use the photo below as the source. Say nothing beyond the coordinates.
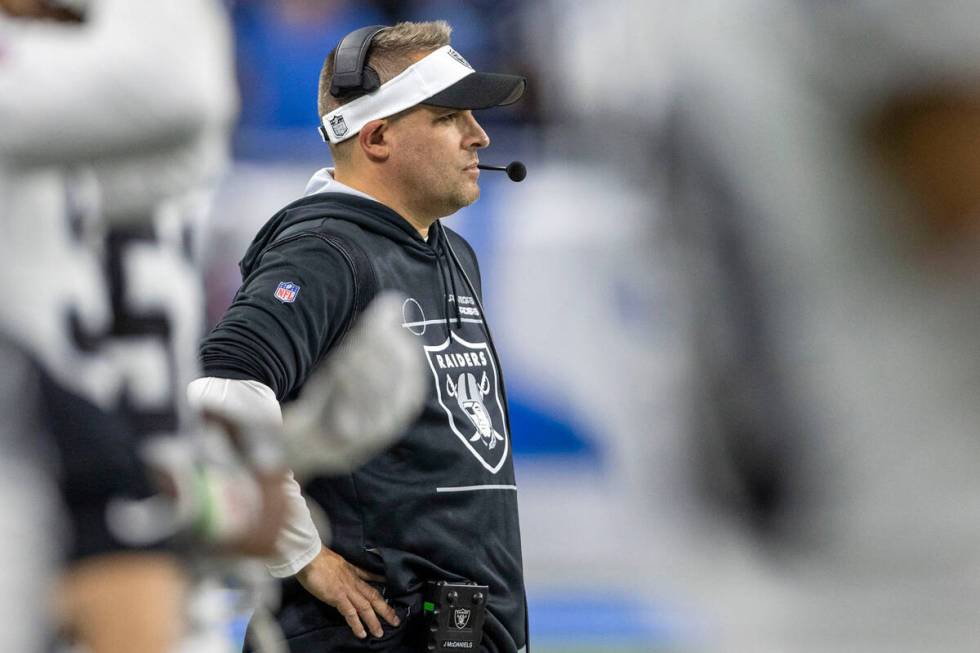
(251, 401)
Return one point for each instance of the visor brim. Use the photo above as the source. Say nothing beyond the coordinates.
(480, 91)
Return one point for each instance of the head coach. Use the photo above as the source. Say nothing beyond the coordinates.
(440, 505)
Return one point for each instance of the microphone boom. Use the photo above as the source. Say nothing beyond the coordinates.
(516, 170)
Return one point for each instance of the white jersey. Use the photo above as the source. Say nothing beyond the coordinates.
(112, 134)
(143, 91)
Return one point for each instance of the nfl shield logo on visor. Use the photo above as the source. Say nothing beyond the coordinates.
(338, 125)
(286, 292)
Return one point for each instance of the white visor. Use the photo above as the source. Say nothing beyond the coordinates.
(424, 79)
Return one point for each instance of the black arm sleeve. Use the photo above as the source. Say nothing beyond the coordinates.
(275, 342)
(99, 459)
(88, 453)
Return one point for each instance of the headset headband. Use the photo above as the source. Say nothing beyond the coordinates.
(350, 74)
(417, 83)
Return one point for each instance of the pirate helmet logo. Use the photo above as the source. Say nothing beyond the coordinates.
(461, 617)
(468, 389)
(458, 57)
(469, 395)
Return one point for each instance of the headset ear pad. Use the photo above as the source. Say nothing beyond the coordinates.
(370, 80)
(351, 74)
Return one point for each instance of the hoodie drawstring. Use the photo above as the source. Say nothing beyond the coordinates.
(445, 288)
(452, 285)
(446, 268)
(483, 322)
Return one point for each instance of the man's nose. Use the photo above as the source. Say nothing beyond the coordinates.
(476, 137)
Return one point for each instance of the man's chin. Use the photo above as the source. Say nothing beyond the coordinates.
(461, 199)
(464, 199)
(472, 194)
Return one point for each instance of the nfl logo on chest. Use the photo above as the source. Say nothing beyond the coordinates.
(286, 292)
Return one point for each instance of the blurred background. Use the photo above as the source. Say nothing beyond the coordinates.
(735, 297)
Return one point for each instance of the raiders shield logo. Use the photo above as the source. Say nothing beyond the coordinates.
(458, 57)
(468, 389)
(461, 617)
(338, 126)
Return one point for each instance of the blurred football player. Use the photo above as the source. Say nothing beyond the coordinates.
(111, 129)
(114, 133)
(827, 176)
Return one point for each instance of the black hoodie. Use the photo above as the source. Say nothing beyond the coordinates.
(441, 504)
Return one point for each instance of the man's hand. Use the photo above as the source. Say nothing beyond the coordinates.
(340, 584)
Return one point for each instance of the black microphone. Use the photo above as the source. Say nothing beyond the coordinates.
(515, 170)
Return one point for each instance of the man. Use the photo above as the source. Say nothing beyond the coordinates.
(441, 504)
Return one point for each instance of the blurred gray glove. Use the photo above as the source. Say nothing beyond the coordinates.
(361, 399)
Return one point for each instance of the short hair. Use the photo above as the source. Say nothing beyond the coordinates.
(390, 53)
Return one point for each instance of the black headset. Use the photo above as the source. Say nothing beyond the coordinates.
(351, 75)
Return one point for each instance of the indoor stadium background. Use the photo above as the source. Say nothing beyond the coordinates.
(671, 499)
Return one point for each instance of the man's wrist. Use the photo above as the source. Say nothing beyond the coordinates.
(295, 563)
(308, 568)
(308, 574)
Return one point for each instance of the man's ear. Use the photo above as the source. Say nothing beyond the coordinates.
(374, 142)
